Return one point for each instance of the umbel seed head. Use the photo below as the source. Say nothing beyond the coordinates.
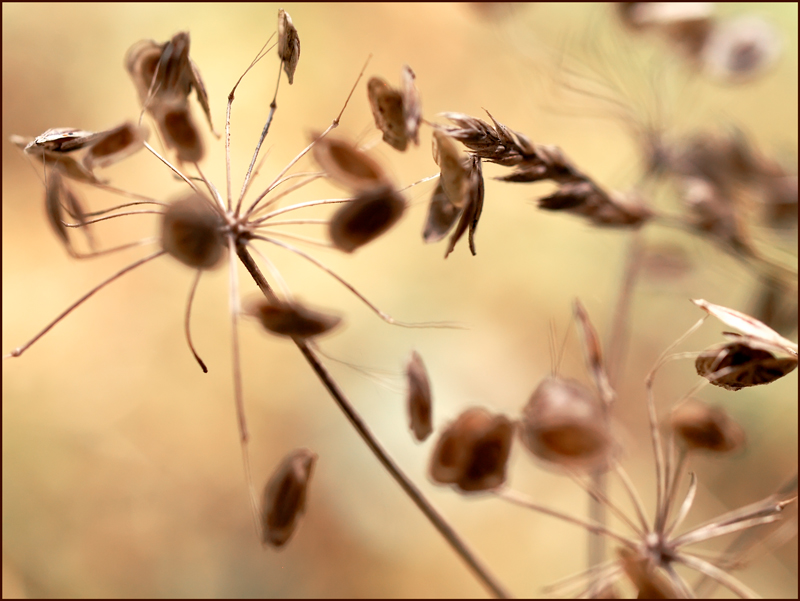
(192, 232)
(700, 427)
(565, 424)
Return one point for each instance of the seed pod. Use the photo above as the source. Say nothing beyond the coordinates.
(454, 168)
(472, 211)
(347, 166)
(191, 231)
(284, 499)
(288, 44)
(60, 140)
(412, 108)
(370, 214)
(419, 399)
(700, 427)
(473, 451)
(566, 425)
(292, 319)
(114, 145)
(179, 130)
(740, 49)
(742, 364)
(586, 199)
(442, 215)
(396, 112)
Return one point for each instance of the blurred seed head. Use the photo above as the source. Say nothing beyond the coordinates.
(288, 44)
(192, 232)
(472, 452)
(419, 399)
(698, 426)
(292, 318)
(365, 218)
(565, 425)
(284, 498)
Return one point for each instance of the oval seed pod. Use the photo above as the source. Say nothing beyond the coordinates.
(288, 44)
(454, 169)
(284, 499)
(191, 231)
(366, 217)
(177, 127)
(115, 144)
(744, 365)
(412, 107)
(565, 425)
(387, 110)
(292, 319)
(473, 451)
(442, 215)
(419, 399)
(700, 427)
(347, 165)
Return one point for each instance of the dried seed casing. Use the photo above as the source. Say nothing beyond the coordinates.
(419, 399)
(737, 365)
(700, 427)
(288, 44)
(284, 498)
(365, 218)
(192, 232)
(387, 110)
(292, 319)
(348, 166)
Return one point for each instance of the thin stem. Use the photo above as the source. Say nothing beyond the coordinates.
(458, 545)
(186, 321)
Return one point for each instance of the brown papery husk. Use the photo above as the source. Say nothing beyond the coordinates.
(288, 44)
(292, 319)
(191, 232)
(284, 497)
(698, 426)
(348, 166)
(369, 215)
(419, 399)
(387, 110)
(744, 365)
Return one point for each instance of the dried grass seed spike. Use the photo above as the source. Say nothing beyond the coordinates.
(741, 365)
(442, 215)
(369, 215)
(419, 399)
(565, 425)
(473, 451)
(347, 165)
(740, 49)
(412, 106)
(292, 319)
(701, 427)
(115, 144)
(192, 232)
(288, 44)
(454, 171)
(284, 498)
(387, 110)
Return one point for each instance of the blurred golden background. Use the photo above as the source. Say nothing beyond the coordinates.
(122, 472)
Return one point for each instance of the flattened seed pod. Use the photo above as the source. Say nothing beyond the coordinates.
(284, 499)
(115, 144)
(292, 319)
(419, 400)
(191, 231)
(179, 130)
(700, 427)
(387, 110)
(442, 215)
(737, 365)
(363, 219)
(288, 44)
(347, 165)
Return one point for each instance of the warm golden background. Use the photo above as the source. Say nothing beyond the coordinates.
(122, 472)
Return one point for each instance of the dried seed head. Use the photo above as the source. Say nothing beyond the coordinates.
(115, 144)
(454, 168)
(348, 166)
(285, 497)
(742, 364)
(701, 427)
(741, 48)
(586, 199)
(288, 44)
(179, 130)
(292, 319)
(192, 232)
(419, 399)
(566, 425)
(369, 215)
(472, 452)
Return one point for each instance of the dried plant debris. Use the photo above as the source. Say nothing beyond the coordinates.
(442, 215)
(191, 232)
(292, 319)
(115, 144)
(565, 425)
(59, 197)
(419, 400)
(471, 213)
(737, 365)
(348, 166)
(643, 573)
(365, 218)
(284, 499)
(397, 113)
(600, 208)
(288, 44)
(698, 426)
(472, 452)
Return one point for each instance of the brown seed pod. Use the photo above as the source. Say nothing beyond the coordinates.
(442, 215)
(412, 107)
(348, 166)
(288, 44)
(419, 399)
(586, 199)
(472, 211)
(387, 110)
(453, 166)
(179, 131)
(60, 140)
(292, 319)
(114, 145)
(284, 498)
(369, 215)
(566, 425)
(191, 231)
(740, 49)
(700, 427)
(744, 365)
(472, 452)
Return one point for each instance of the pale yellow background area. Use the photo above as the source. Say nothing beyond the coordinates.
(122, 472)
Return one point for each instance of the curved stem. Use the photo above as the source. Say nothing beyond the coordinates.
(458, 545)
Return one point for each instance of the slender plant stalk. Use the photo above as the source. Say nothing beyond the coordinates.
(459, 546)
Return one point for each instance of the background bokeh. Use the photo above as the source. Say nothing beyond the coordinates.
(122, 471)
